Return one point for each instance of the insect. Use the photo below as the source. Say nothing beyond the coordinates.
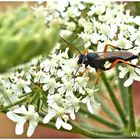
(98, 60)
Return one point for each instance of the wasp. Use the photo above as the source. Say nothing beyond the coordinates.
(98, 60)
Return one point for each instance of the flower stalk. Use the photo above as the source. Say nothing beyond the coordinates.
(132, 125)
(114, 100)
(90, 134)
(124, 93)
(5, 109)
(100, 120)
(108, 111)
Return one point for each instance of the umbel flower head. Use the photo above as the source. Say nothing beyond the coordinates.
(49, 85)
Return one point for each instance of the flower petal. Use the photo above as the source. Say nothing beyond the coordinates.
(51, 90)
(45, 87)
(90, 107)
(58, 123)
(128, 82)
(31, 108)
(31, 128)
(85, 100)
(20, 127)
(21, 110)
(48, 117)
(66, 126)
(12, 116)
(72, 115)
(27, 89)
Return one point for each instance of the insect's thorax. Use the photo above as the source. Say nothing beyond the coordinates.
(93, 61)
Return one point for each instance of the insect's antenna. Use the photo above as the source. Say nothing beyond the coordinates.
(137, 73)
(69, 44)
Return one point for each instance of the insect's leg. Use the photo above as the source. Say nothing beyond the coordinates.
(123, 61)
(115, 47)
(86, 69)
(98, 77)
(81, 74)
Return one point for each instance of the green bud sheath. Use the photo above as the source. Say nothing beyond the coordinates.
(22, 37)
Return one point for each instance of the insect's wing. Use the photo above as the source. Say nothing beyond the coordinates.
(117, 55)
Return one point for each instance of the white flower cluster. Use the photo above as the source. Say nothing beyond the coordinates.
(51, 85)
(98, 23)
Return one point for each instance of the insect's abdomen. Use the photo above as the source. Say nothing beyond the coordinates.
(112, 56)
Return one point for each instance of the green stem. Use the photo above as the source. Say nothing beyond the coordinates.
(91, 134)
(114, 100)
(35, 98)
(100, 120)
(76, 129)
(124, 93)
(80, 129)
(4, 110)
(102, 130)
(108, 111)
(132, 125)
(83, 130)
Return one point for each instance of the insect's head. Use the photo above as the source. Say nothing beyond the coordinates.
(82, 59)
